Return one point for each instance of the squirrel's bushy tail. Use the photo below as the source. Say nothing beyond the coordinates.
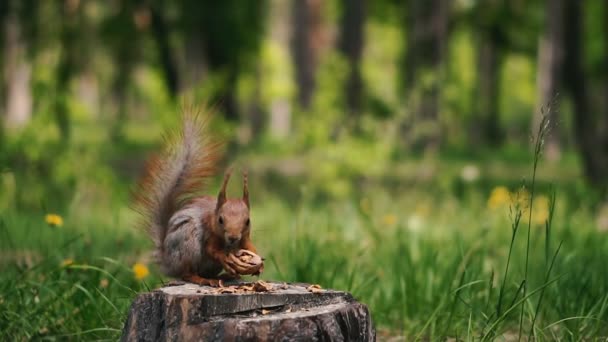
(177, 174)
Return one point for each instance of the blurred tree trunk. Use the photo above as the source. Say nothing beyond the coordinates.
(256, 113)
(230, 32)
(489, 62)
(227, 95)
(69, 11)
(124, 31)
(17, 69)
(305, 44)
(280, 109)
(427, 22)
(550, 63)
(490, 19)
(4, 11)
(86, 84)
(592, 143)
(351, 45)
(119, 91)
(604, 118)
(193, 64)
(87, 90)
(160, 32)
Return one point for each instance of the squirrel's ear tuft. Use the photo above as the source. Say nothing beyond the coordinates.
(245, 189)
(221, 198)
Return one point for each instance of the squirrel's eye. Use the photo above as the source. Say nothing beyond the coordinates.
(221, 220)
(247, 222)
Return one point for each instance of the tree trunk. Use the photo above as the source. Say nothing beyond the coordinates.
(489, 63)
(193, 66)
(230, 33)
(227, 97)
(282, 313)
(120, 88)
(256, 113)
(67, 64)
(550, 63)
(17, 71)
(427, 38)
(593, 146)
(306, 41)
(604, 118)
(87, 91)
(160, 32)
(280, 108)
(351, 46)
(126, 46)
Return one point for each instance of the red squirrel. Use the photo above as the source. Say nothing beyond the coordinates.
(195, 237)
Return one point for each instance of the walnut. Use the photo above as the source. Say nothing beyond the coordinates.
(246, 262)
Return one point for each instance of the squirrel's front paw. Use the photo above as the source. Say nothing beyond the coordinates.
(228, 266)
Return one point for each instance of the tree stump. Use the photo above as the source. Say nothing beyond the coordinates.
(247, 312)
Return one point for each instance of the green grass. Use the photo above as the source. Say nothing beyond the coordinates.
(427, 265)
(429, 255)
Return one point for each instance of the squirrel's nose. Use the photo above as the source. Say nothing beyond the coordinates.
(232, 240)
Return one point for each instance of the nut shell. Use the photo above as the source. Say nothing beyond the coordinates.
(246, 262)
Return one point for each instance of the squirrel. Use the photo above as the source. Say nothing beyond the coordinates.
(195, 237)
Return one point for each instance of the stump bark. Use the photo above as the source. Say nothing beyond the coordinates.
(270, 312)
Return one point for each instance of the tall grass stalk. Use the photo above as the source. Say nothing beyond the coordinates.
(516, 214)
(488, 335)
(540, 298)
(539, 140)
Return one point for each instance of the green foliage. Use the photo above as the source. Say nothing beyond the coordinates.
(40, 172)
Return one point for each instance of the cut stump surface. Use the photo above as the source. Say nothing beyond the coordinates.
(247, 312)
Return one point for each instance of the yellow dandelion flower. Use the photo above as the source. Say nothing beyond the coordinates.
(499, 197)
(540, 209)
(140, 271)
(67, 262)
(54, 220)
(389, 219)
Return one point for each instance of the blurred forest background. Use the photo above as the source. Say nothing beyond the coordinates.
(353, 114)
(363, 83)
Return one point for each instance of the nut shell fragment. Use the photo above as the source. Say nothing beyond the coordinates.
(314, 288)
